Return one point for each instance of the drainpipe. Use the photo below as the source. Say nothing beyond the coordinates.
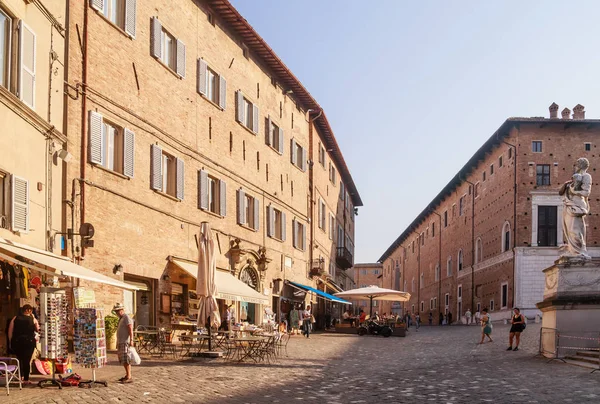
(311, 196)
(472, 242)
(514, 215)
(439, 264)
(419, 273)
(84, 145)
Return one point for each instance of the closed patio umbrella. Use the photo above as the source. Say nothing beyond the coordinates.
(206, 288)
(374, 293)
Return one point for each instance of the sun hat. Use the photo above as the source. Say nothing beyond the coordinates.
(117, 307)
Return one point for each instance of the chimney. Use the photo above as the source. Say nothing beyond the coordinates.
(553, 110)
(566, 113)
(579, 112)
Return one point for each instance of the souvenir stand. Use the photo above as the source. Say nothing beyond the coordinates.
(89, 341)
(54, 308)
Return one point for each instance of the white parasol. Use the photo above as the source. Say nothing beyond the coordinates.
(374, 293)
(206, 288)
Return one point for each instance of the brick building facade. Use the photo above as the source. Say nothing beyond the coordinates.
(368, 274)
(181, 114)
(484, 240)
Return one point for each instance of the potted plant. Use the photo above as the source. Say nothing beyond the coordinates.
(110, 327)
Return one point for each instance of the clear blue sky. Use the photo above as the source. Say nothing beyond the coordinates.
(412, 89)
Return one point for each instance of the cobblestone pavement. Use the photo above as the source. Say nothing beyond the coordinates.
(435, 364)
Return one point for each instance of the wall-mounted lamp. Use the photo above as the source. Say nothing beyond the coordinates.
(64, 155)
(166, 277)
(118, 269)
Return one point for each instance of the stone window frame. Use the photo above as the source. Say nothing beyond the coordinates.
(548, 198)
(534, 144)
(503, 305)
(503, 235)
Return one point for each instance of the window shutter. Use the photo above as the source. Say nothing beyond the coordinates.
(222, 92)
(239, 101)
(180, 58)
(180, 178)
(96, 138)
(280, 145)
(255, 119)
(283, 225)
(222, 198)
(130, 17)
(128, 152)
(155, 38)
(20, 204)
(203, 190)
(202, 72)
(27, 67)
(293, 152)
(270, 221)
(156, 169)
(294, 233)
(303, 162)
(303, 246)
(241, 206)
(269, 132)
(97, 4)
(256, 214)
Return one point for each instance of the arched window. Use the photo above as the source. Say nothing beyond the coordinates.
(437, 272)
(422, 283)
(478, 250)
(412, 289)
(506, 237)
(460, 260)
(449, 266)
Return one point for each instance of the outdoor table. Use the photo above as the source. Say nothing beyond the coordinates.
(188, 343)
(248, 347)
(147, 340)
(221, 337)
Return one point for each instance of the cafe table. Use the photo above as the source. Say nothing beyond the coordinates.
(147, 340)
(192, 344)
(248, 347)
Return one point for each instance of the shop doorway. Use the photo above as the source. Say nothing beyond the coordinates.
(248, 312)
(140, 303)
(276, 308)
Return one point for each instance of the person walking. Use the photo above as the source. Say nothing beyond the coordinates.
(21, 339)
(441, 319)
(517, 327)
(449, 318)
(124, 340)
(306, 322)
(468, 316)
(486, 327)
(430, 318)
(477, 317)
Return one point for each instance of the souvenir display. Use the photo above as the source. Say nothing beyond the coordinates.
(89, 339)
(53, 324)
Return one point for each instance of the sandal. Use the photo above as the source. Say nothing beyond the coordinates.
(130, 380)
(123, 378)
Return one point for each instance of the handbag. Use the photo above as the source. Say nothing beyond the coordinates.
(134, 357)
(312, 319)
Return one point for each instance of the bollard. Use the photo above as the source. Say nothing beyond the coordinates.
(537, 318)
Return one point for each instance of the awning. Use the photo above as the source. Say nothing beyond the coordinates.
(55, 265)
(228, 286)
(319, 293)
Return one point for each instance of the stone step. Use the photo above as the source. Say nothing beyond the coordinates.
(584, 359)
(581, 363)
(588, 354)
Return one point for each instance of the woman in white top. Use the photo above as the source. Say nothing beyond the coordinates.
(306, 321)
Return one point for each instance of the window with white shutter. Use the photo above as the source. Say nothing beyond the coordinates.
(299, 235)
(20, 204)
(27, 60)
(156, 168)
(298, 155)
(274, 135)
(212, 194)
(111, 146)
(167, 173)
(165, 47)
(241, 207)
(246, 112)
(122, 13)
(322, 215)
(331, 226)
(211, 84)
(180, 179)
(275, 223)
(180, 57)
(6, 23)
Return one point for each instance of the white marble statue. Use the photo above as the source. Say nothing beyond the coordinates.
(575, 194)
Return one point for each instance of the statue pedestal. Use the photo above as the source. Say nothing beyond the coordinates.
(571, 304)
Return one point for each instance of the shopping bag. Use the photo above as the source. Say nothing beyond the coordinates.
(63, 366)
(134, 358)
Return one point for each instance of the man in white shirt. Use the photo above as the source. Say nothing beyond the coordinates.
(468, 316)
(306, 321)
(477, 317)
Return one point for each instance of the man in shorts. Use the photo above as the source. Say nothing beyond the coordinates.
(124, 340)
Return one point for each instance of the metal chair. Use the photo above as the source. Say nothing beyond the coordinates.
(10, 369)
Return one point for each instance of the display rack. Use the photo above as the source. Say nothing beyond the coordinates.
(54, 308)
(89, 341)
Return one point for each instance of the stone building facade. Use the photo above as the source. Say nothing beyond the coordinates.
(181, 114)
(368, 274)
(484, 240)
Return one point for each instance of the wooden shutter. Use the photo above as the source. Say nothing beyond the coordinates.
(303, 247)
(256, 214)
(280, 145)
(20, 204)
(128, 152)
(97, 4)
(96, 138)
(270, 221)
(203, 190)
(155, 38)
(283, 226)
(156, 168)
(239, 101)
(130, 17)
(180, 68)
(293, 152)
(303, 162)
(180, 184)
(255, 119)
(222, 198)
(269, 132)
(241, 206)
(222, 92)
(27, 65)
(202, 72)
(294, 233)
